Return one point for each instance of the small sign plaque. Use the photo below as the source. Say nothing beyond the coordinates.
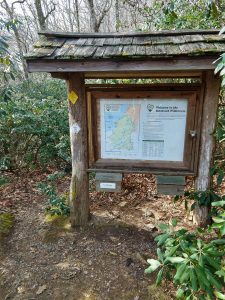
(170, 185)
(108, 176)
(108, 182)
(107, 185)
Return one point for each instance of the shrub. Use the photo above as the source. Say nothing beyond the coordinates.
(34, 126)
(57, 205)
(193, 261)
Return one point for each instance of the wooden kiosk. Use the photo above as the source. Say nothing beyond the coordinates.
(160, 128)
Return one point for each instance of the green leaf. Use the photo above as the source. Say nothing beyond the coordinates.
(209, 292)
(202, 277)
(161, 239)
(176, 198)
(175, 260)
(222, 72)
(219, 295)
(213, 280)
(194, 280)
(221, 273)
(220, 177)
(185, 276)
(159, 277)
(222, 229)
(174, 222)
(212, 262)
(222, 30)
(218, 203)
(218, 220)
(160, 255)
(163, 227)
(200, 230)
(199, 243)
(154, 264)
(179, 293)
(219, 67)
(193, 206)
(172, 250)
(180, 270)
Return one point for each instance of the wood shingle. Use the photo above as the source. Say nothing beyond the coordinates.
(73, 46)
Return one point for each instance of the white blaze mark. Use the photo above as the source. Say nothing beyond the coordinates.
(75, 128)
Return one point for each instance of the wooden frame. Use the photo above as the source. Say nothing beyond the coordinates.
(203, 99)
(121, 66)
(190, 92)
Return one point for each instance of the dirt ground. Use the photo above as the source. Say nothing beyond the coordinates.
(44, 258)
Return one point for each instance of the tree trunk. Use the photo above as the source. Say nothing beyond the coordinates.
(40, 14)
(77, 15)
(203, 181)
(10, 12)
(79, 187)
(70, 16)
(117, 15)
(93, 18)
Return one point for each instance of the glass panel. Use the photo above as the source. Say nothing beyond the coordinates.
(146, 129)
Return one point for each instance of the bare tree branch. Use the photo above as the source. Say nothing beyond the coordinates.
(18, 1)
(50, 11)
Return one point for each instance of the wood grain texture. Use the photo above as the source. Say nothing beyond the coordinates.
(90, 130)
(142, 74)
(189, 92)
(79, 187)
(120, 66)
(131, 34)
(207, 143)
(141, 171)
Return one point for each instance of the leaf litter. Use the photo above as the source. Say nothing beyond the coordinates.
(42, 259)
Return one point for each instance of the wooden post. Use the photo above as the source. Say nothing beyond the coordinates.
(79, 187)
(207, 144)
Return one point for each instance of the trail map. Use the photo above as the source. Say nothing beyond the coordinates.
(143, 129)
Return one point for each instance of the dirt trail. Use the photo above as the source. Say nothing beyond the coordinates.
(105, 261)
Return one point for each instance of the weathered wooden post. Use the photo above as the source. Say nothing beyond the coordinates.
(185, 54)
(207, 144)
(79, 187)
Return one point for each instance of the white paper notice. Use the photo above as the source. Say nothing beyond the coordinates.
(143, 129)
(107, 185)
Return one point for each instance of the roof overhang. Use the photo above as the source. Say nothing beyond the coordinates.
(122, 53)
(118, 66)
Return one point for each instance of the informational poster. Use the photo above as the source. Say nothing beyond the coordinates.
(146, 129)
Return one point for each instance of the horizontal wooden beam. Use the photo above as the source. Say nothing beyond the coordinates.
(128, 34)
(142, 171)
(119, 66)
(143, 87)
(127, 75)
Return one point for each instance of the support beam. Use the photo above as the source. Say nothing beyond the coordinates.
(207, 144)
(119, 66)
(79, 187)
(141, 74)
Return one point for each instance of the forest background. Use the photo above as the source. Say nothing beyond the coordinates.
(33, 113)
(34, 119)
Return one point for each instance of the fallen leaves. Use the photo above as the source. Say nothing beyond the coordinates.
(41, 289)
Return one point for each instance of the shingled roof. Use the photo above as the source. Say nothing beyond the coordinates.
(74, 46)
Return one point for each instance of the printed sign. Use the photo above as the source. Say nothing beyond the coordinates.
(146, 129)
(107, 185)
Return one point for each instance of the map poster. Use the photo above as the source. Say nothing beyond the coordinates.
(146, 129)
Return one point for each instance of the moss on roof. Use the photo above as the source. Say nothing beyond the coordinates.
(78, 46)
